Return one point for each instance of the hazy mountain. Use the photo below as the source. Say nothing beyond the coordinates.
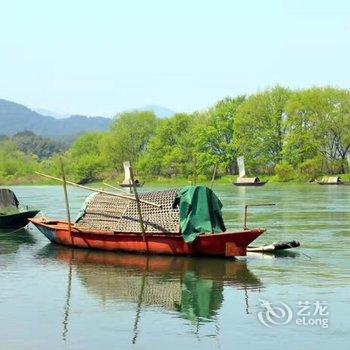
(15, 118)
(49, 113)
(159, 111)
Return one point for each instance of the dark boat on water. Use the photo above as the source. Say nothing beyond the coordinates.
(249, 181)
(12, 214)
(244, 181)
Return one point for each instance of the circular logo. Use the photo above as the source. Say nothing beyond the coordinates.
(274, 315)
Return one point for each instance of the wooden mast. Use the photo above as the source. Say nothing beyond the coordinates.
(66, 196)
(142, 225)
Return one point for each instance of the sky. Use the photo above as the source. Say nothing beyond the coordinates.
(103, 57)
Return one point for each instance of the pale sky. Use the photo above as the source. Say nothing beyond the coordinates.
(102, 57)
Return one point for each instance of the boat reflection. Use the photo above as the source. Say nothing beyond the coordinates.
(193, 288)
(11, 240)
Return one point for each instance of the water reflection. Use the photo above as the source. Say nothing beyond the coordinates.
(11, 240)
(192, 288)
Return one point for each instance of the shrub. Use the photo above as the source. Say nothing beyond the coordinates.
(284, 172)
(310, 169)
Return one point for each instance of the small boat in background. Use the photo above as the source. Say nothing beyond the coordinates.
(249, 181)
(332, 180)
(12, 214)
(246, 181)
(127, 178)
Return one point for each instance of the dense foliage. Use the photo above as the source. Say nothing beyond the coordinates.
(290, 134)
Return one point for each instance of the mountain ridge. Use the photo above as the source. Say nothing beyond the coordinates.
(15, 118)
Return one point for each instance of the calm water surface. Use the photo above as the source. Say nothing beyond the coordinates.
(53, 297)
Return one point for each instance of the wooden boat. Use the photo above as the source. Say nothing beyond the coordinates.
(151, 223)
(246, 181)
(249, 181)
(16, 221)
(332, 180)
(226, 244)
(12, 216)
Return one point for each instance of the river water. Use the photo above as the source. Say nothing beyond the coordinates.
(53, 297)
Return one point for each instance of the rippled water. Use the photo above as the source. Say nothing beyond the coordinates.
(53, 297)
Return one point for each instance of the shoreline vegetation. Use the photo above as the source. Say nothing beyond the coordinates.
(34, 180)
(285, 136)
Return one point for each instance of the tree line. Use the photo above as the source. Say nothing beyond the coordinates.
(291, 134)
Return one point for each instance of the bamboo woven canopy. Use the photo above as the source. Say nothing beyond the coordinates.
(105, 212)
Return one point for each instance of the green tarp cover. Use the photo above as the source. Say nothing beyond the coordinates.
(200, 212)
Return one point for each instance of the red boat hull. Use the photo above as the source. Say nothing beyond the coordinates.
(226, 244)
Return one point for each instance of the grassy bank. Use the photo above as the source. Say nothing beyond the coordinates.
(114, 179)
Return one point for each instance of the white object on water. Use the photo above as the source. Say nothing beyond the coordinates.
(127, 178)
(241, 168)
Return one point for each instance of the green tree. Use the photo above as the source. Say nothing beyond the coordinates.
(259, 129)
(128, 137)
(15, 163)
(215, 134)
(42, 147)
(84, 160)
(171, 150)
(318, 123)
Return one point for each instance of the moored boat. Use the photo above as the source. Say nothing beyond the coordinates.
(332, 180)
(249, 181)
(12, 215)
(226, 244)
(185, 222)
(242, 180)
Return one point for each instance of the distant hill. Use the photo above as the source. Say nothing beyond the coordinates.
(30, 143)
(159, 111)
(15, 118)
(49, 113)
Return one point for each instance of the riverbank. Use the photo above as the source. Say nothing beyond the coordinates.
(151, 180)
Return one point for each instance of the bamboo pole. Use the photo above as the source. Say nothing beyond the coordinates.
(66, 196)
(142, 226)
(99, 191)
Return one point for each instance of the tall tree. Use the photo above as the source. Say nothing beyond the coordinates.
(171, 150)
(85, 161)
(215, 135)
(318, 123)
(128, 137)
(259, 129)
